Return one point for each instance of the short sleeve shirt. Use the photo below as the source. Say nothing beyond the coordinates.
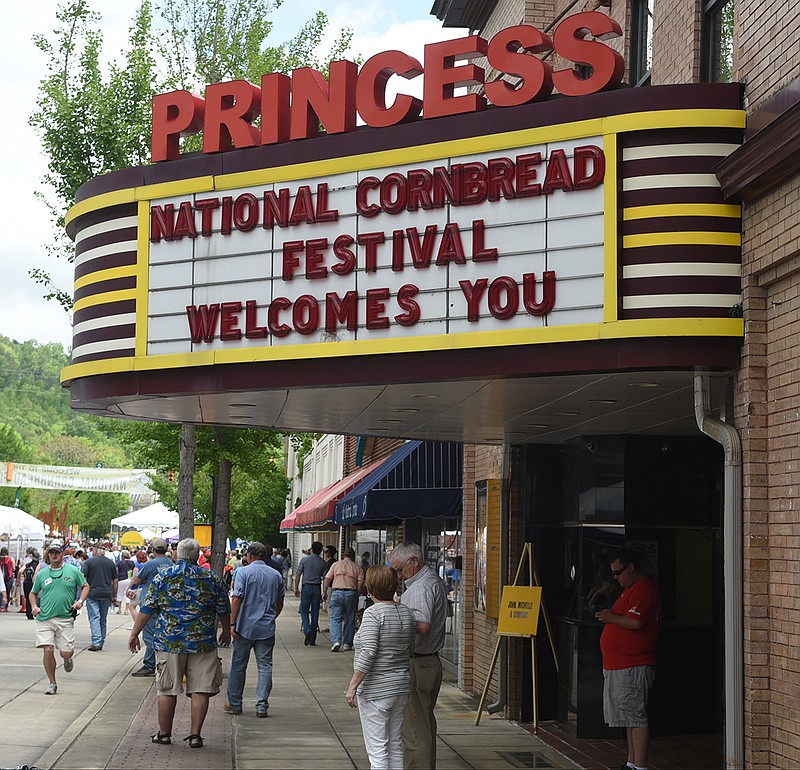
(624, 647)
(313, 569)
(56, 590)
(258, 587)
(188, 600)
(150, 569)
(425, 594)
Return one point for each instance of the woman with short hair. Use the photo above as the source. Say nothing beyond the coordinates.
(381, 683)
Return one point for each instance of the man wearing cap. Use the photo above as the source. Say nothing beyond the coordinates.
(55, 587)
(256, 601)
(145, 578)
(101, 574)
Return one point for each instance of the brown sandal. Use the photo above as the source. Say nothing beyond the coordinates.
(195, 741)
(164, 739)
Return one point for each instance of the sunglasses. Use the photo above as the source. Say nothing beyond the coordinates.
(618, 572)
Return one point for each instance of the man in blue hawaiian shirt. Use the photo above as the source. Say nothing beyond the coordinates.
(187, 601)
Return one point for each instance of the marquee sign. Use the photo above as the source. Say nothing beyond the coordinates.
(451, 246)
(517, 229)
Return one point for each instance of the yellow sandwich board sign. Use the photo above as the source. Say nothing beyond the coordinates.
(519, 611)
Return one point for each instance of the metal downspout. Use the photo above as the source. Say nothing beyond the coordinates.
(502, 673)
(726, 435)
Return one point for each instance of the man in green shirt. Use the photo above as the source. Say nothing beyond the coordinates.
(52, 600)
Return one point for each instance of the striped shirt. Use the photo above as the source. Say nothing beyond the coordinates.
(384, 643)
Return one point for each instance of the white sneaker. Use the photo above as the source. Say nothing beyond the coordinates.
(346, 648)
(52, 689)
(335, 647)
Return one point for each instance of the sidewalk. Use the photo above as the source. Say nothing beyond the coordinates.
(310, 726)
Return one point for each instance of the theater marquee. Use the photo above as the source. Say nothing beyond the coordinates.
(545, 226)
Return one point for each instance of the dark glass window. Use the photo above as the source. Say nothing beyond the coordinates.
(717, 59)
(641, 54)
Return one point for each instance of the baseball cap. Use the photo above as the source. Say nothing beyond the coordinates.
(159, 544)
(56, 547)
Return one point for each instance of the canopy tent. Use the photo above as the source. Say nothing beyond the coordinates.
(317, 511)
(20, 530)
(171, 535)
(156, 517)
(421, 479)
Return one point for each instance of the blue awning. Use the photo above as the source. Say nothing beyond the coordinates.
(422, 478)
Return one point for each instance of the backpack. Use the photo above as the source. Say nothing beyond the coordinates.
(7, 570)
(30, 569)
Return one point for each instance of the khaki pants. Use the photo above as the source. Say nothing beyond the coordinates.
(419, 725)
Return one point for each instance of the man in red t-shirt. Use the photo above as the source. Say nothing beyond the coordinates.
(628, 644)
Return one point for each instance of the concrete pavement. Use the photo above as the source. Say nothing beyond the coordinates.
(103, 718)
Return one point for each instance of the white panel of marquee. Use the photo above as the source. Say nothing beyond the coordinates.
(562, 232)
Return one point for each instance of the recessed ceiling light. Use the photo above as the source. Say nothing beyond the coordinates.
(643, 385)
(377, 430)
(386, 421)
(566, 414)
(603, 400)
(536, 425)
(245, 405)
(425, 395)
(407, 410)
(492, 440)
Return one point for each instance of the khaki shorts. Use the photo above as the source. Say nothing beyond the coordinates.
(56, 632)
(625, 695)
(203, 672)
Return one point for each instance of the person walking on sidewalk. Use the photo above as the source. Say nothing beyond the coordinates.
(346, 579)
(426, 594)
(381, 683)
(628, 645)
(311, 569)
(101, 574)
(144, 577)
(187, 601)
(55, 586)
(256, 601)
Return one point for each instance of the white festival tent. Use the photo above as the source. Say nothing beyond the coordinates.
(20, 530)
(156, 517)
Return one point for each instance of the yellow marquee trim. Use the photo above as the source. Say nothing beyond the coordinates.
(681, 239)
(628, 329)
(109, 274)
(105, 297)
(610, 245)
(682, 210)
(614, 124)
(142, 278)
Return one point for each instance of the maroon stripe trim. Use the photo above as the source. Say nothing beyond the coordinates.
(105, 334)
(123, 259)
(104, 356)
(715, 353)
(682, 136)
(681, 224)
(661, 195)
(683, 253)
(106, 309)
(676, 312)
(695, 164)
(104, 215)
(113, 284)
(689, 284)
(103, 239)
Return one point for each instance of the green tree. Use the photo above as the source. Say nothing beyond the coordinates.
(91, 122)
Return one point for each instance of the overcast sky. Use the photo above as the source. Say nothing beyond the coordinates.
(378, 25)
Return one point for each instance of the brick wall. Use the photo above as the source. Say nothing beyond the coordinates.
(676, 42)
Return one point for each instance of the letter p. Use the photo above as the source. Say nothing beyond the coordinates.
(175, 114)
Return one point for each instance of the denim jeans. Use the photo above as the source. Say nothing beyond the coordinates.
(238, 674)
(97, 609)
(343, 608)
(147, 637)
(310, 598)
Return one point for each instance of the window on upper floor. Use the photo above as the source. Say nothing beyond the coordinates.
(717, 56)
(641, 53)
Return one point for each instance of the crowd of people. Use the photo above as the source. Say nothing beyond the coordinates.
(182, 612)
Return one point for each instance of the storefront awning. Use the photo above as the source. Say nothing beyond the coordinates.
(317, 511)
(421, 479)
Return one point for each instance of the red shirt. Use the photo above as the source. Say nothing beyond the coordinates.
(625, 647)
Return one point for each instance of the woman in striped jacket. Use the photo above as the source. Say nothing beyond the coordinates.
(381, 683)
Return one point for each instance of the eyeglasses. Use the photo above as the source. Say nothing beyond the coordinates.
(618, 572)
